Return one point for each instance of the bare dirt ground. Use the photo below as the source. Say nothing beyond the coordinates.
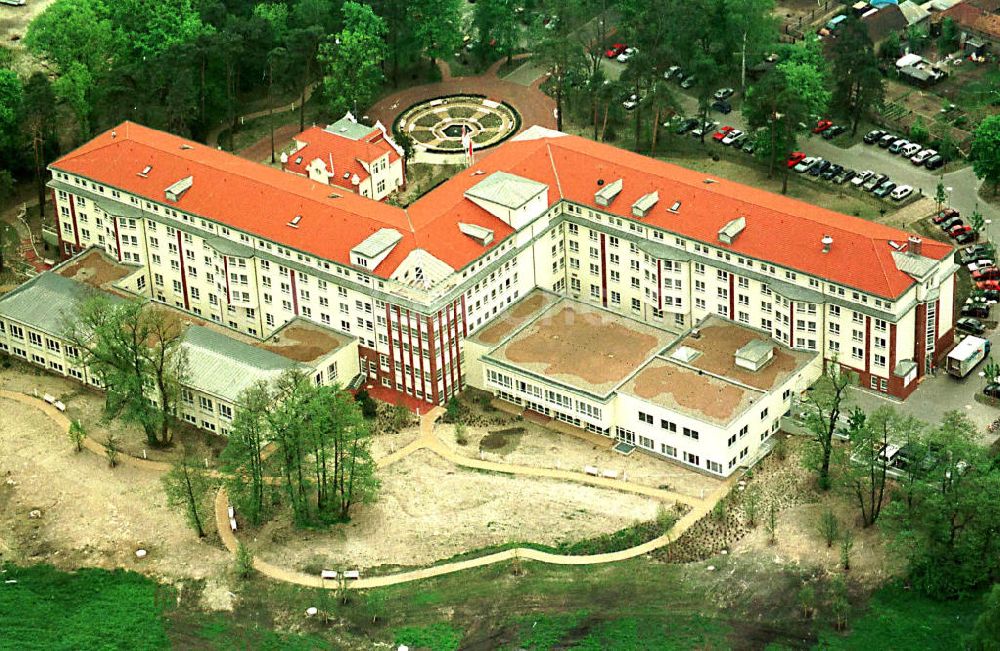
(14, 25)
(429, 510)
(798, 542)
(543, 448)
(91, 515)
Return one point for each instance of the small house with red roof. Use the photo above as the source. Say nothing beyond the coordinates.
(349, 155)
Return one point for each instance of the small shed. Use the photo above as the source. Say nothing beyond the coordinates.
(755, 354)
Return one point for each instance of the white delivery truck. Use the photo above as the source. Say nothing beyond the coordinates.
(964, 357)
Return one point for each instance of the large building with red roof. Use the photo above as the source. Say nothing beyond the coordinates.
(350, 156)
(252, 248)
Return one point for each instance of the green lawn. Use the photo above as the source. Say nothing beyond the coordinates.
(88, 609)
(905, 619)
(636, 605)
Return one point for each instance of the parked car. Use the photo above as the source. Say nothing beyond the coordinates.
(734, 136)
(796, 158)
(992, 390)
(830, 172)
(630, 102)
(985, 273)
(901, 192)
(686, 125)
(861, 178)
(719, 135)
(973, 254)
(910, 150)
(967, 238)
(688, 82)
(958, 229)
(951, 221)
(818, 167)
(822, 125)
(873, 136)
(833, 132)
(627, 54)
(971, 325)
(805, 163)
(934, 162)
(944, 215)
(988, 285)
(898, 145)
(723, 93)
(991, 297)
(750, 146)
(921, 156)
(975, 310)
(844, 177)
(887, 140)
(707, 126)
(874, 182)
(722, 106)
(883, 190)
(616, 49)
(673, 71)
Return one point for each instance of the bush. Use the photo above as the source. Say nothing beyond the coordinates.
(77, 434)
(780, 448)
(112, 449)
(453, 410)
(243, 561)
(368, 407)
(829, 527)
(460, 437)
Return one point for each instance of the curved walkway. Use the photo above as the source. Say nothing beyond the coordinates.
(429, 441)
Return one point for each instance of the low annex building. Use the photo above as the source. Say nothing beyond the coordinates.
(426, 289)
(35, 316)
(349, 156)
(709, 399)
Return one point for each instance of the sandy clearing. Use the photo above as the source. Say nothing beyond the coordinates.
(544, 448)
(430, 510)
(91, 515)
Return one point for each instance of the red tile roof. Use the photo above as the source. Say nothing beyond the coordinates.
(261, 200)
(975, 16)
(347, 154)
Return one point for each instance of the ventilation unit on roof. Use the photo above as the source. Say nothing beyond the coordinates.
(729, 232)
(295, 221)
(334, 195)
(709, 181)
(895, 245)
(298, 160)
(177, 190)
(644, 204)
(607, 194)
(479, 173)
(186, 146)
(145, 171)
(347, 175)
(827, 242)
(482, 235)
(675, 208)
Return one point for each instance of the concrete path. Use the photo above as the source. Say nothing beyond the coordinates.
(429, 441)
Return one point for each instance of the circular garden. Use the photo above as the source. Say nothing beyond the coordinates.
(437, 125)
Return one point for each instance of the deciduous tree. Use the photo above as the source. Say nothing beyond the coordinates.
(243, 456)
(824, 403)
(858, 83)
(187, 485)
(986, 151)
(437, 27)
(353, 60)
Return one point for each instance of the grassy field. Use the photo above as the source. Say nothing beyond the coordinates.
(637, 605)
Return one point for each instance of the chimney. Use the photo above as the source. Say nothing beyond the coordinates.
(827, 243)
(915, 245)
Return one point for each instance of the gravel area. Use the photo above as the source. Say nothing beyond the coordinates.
(430, 510)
